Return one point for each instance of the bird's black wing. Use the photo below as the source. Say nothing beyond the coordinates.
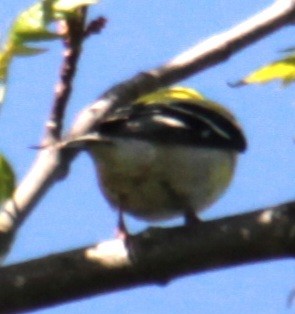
(179, 123)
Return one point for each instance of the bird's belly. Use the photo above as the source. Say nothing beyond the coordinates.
(158, 182)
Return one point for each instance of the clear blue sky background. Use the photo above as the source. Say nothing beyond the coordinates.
(140, 35)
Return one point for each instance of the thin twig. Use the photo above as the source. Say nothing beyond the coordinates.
(72, 31)
(95, 26)
(46, 168)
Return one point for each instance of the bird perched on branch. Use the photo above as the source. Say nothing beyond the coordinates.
(170, 153)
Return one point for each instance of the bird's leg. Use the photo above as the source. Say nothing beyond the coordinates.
(190, 219)
(122, 232)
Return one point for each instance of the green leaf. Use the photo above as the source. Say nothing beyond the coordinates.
(7, 179)
(32, 25)
(283, 70)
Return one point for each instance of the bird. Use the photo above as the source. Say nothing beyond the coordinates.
(169, 153)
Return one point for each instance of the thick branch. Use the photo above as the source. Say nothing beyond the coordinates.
(212, 51)
(153, 257)
(50, 163)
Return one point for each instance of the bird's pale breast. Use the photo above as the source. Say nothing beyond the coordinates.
(153, 181)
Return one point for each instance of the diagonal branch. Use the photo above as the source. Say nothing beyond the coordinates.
(51, 162)
(155, 256)
(208, 53)
(46, 166)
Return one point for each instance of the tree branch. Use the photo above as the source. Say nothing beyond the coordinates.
(72, 31)
(204, 55)
(155, 256)
(51, 162)
(47, 166)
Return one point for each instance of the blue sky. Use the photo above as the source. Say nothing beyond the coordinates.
(140, 35)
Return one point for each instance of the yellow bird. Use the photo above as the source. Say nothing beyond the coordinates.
(170, 153)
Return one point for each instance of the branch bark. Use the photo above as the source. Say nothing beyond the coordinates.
(204, 55)
(72, 31)
(155, 256)
(51, 163)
